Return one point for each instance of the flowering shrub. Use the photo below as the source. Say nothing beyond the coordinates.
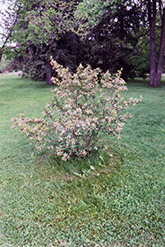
(80, 110)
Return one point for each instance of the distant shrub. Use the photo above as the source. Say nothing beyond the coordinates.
(80, 110)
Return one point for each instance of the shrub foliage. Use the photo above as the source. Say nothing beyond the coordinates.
(81, 110)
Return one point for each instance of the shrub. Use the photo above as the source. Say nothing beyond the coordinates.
(81, 110)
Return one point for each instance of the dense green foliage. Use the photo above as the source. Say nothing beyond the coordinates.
(106, 34)
(120, 203)
(131, 25)
(38, 27)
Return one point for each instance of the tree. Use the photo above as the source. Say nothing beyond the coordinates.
(8, 22)
(67, 50)
(112, 40)
(148, 15)
(161, 51)
(113, 34)
(156, 72)
(39, 26)
(159, 71)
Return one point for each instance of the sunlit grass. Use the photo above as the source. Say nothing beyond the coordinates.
(110, 199)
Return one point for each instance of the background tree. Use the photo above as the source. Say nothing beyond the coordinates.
(8, 20)
(106, 34)
(112, 42)
(132, 23)
(38, 28)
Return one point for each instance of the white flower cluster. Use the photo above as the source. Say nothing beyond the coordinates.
(80, 110)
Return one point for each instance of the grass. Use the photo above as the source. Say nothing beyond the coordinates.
(146, 80)
(119, 203)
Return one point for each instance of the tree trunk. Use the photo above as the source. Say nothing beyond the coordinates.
(161, 53)
(152, 21)
(0, 56)
(49, 73)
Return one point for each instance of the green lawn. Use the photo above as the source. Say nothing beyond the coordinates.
(120, 203)
(146, 80)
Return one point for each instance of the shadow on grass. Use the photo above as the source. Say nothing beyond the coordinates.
(24, 83)
(95, 164)
(144, 81)
(21, 83)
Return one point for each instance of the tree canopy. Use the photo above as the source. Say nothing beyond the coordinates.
(106, 34)
(137, 25)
